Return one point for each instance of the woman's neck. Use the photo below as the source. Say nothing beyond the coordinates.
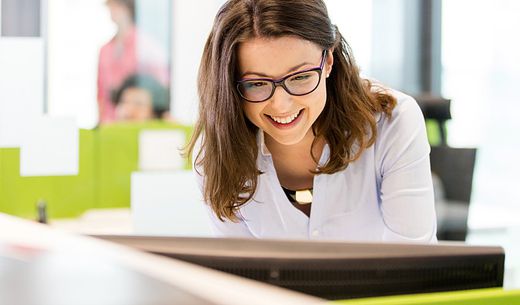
(123, 29)
(297, 149)
(294, 163)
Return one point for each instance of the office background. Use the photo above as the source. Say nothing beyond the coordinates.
(474, 63)
(462, 50)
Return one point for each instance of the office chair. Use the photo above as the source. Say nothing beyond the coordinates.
(454, 168)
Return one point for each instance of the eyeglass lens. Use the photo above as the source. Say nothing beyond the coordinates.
(297, 84)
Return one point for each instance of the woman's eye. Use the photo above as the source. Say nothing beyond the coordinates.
(252, 85)
(301, 77)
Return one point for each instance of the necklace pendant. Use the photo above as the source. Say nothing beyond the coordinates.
(304, 197)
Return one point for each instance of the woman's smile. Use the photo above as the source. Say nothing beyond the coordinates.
(287, 121)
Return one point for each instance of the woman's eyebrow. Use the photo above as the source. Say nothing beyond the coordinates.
(293, 69)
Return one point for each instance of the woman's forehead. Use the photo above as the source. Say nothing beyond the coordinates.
(276, 57)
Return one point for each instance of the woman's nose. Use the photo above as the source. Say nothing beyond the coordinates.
(281, 101)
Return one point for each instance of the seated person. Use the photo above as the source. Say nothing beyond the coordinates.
(141, 98)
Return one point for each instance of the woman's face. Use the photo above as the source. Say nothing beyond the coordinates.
(285, 118)
(136, 105)
(119, 13)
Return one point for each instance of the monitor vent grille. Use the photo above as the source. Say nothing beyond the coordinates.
(340, 279)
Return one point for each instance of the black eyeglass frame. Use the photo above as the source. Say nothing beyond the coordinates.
(281, 82)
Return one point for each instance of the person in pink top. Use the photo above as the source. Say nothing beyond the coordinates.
(128, 52)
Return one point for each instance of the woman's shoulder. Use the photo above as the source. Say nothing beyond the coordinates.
(401, 137)
(405, 122)
(406, 108)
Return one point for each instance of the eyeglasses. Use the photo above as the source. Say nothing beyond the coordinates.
(257, 90)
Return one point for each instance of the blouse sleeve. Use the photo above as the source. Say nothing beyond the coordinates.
(406, 190)
(225, 228)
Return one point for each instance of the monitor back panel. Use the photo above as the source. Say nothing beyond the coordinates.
(338, 270)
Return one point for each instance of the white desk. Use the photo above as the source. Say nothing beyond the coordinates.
(45, 266)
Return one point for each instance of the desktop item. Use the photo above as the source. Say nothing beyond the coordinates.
(159, 150)
(168, 203)
(337, 270)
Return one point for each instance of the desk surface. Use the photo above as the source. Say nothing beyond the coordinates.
(35, 276)
(40, 265)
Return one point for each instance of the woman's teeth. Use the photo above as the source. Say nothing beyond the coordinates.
(286, 119)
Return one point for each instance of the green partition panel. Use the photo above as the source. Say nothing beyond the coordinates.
(66, 196)
(117, 153)
(107, 157)
(75, 194)
(118, 158)
(491, 296)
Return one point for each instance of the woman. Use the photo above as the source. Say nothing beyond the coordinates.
(292, 143)
(141, 98)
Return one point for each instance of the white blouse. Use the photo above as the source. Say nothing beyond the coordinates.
(385, 195)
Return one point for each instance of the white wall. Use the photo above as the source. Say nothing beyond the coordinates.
(192, 23)
(76, 32)
(354, 20)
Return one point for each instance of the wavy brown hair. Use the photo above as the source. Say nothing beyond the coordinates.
(228, 149)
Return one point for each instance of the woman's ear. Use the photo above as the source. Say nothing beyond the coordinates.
(329, 61)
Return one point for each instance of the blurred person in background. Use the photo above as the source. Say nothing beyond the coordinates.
(130, 51)
(141, 98)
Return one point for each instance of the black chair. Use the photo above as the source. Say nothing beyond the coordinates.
(436, 108)
(454, 167)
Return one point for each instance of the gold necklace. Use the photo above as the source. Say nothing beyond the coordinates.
(301, 197)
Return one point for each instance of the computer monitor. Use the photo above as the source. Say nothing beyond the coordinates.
(337, 270)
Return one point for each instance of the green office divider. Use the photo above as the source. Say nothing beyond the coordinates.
(75, 194)
(65, 195)
(491, 296)
(117, 153)
(118, 158)
(107, 157)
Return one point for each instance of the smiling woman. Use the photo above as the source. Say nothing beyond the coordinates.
(284, 113)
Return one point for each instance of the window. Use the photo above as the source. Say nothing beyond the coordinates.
(481, 73)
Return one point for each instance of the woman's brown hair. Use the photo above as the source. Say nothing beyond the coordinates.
(228, 148)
